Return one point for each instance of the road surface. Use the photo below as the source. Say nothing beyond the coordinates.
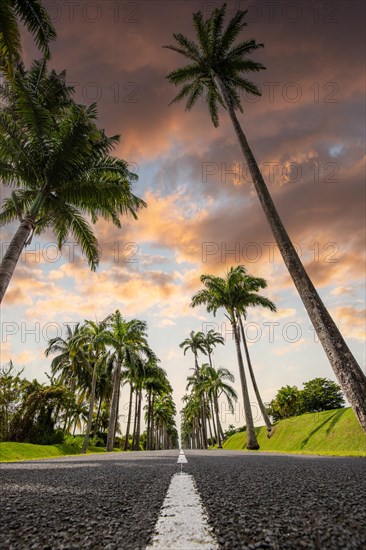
(250, 500)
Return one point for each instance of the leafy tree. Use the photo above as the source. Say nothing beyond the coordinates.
(218, 68)
(36, 20)
(34, 420)
(287, 403)
(11, 390)
(60, 165)
(321, 394)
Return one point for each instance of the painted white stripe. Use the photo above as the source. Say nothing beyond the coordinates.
(182, 523)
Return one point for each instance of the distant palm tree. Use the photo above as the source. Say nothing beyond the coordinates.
(216, 383)
(93, 340)
(191, 414)
(70, 363)
(125, 338)
(225, 293)
(59, 162)
(196, 344)
(35, 19)
(212, 338)
(218, 68)
(248, 287)
(156, 383)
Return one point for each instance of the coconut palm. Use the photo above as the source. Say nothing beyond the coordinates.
(164, 412)
(225, 293)
(126, 338)
(60, 165)
(33, 15)
(217, 69)
(70, 363)
(93, 340)
(156, 383)
(216, 383)
(196, 343)
(191, 414)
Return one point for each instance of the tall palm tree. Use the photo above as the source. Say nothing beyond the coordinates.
(93, 339)
(225, 293)
(36, 20)
(60, 165)
(70, 362)
(216, 383)
(164, 412)
(196, 344)
(248, 287)
(191, 414)
(156, 383)
(218, 68)
(125, 338)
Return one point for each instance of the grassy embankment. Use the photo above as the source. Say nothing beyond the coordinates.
(12, 452)
(334, 432)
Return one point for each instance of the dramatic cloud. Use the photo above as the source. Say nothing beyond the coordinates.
(203, 214)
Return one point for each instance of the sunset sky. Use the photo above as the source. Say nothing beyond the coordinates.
(203, 214)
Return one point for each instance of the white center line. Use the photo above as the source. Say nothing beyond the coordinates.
(182, 523)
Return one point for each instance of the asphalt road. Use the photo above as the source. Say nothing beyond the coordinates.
(252, 500)
(282, 502)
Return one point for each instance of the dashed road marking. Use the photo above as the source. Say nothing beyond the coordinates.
(182, 523)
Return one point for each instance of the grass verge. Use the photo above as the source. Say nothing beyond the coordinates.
(336, 433)
(13, 452)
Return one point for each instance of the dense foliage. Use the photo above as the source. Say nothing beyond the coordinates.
(78, 397)
(319, 394)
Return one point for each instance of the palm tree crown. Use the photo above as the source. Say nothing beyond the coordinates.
(36, 20)
(215, 54)
(60, 165)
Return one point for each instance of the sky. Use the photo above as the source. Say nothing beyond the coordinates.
(203, 215)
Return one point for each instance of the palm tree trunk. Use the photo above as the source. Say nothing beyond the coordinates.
(91, 410)
(129, 419)
(252, 442)
(345, 366)
(213, 421)
(219, 442)
(137, 438)
(210, 429)
(13, 253)
(152, 423)
(148, 427)
(219, 428)
(98, 413)
(114, 408)
(135, 419)
(117, 412)
(202, 408)
(254, 382)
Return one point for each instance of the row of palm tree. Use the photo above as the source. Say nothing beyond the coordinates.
(234, 293)
(211, 385)
(60, 164)
(93, 361)
(217, 69)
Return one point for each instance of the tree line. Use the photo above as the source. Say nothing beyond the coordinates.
(88, 369)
